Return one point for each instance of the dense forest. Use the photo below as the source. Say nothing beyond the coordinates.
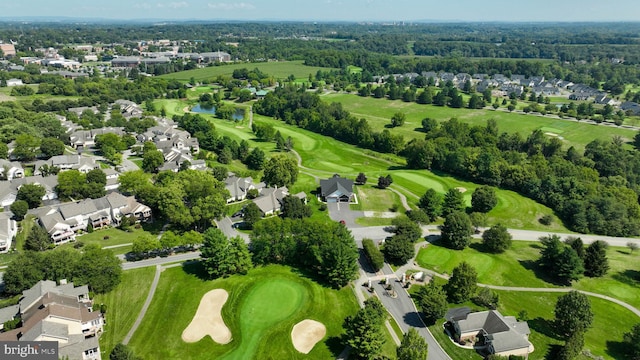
(595, 191)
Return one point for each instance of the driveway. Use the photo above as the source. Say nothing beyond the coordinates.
(226, 226)
(341, 211)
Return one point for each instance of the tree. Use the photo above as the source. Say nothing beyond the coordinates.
(222, 257)
(412, 347)
(144, 244)
(4, 150)
(384, 181)
(478, 220)
(99, 268)
(280, 171)
(431, 203)
(572, 314)
(26, 147)
(576, 244)
(24, 271)
(152, 160)
(32, 194)
(51, 147)
(632, 246)
(462, 283)
(19, 209)
(255, 159)
(398, 250)
(251, 214)
(38, 239)
(560, 259)
(497, 239)
(572, 347)
(432, 300)
(364, 333)
(295, 208)
(122, 352)
(487, 298)
(596, 263)
(483, 199)
(220, 172)
(457, 230)
(361, 179)
(264, 132)
(398, 119)
(403, 226)
(373, 254)
(632, 342)
(453, 201)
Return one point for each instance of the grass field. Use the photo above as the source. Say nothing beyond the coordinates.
(261, 310)
(320, 157)
(378, 113)
(279, 70)
(518, 267)
(371, 198)
(123, 305)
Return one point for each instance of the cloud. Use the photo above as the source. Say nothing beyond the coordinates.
(142, 6)
(231, 6)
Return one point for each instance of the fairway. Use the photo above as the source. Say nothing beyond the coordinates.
(277, 69)
(261, 310)
(378, 113)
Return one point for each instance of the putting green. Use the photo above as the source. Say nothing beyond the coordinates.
(265, 307)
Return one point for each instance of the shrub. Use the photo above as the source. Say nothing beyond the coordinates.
(373, 253)
(106, 237)
(546, 220)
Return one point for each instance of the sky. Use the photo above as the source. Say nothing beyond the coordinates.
(331, 10)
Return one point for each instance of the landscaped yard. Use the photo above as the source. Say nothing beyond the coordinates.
(123, 305)
(260, 312)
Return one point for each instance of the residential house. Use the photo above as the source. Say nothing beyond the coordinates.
(604, 99)
(238, 187)
(84, 164)
(9, 189)
(174, 143)
(502, 335)
(87, 138)
(63, 221)
(128, 108)
(62, 313)
(10, 170)
(112, 179)
(8, 230)
(337, 189)
(631, 106)
(270, 200)
(14, 82)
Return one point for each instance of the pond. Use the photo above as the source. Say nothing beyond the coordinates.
(238, 114)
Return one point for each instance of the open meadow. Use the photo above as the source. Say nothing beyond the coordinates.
(261, 310)
(277, 69)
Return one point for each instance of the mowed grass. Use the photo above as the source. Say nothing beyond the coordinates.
(511, 268)
(279, 70)
(261, 310)
(378, 113)
(123, 305)
(518, 267)
(371, 198)
(323, 156)
(513, 210)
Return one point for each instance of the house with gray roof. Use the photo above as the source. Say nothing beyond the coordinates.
(62, 222)
(62, 313)
(270, 200)
(502, 335)
(238, 187)
(337, 189)
(8, 230)
(84, 164)
(9, 189)
(10, 170)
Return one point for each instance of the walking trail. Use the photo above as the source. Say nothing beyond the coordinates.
(145, 307)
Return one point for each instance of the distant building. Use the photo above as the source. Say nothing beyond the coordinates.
(15, 82)
(8, 50)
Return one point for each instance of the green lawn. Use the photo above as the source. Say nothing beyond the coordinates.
(261, 310)
(279, 70)
(371, 198)
(123, 305)
(320, 157)
(378, 113)
(518, 267)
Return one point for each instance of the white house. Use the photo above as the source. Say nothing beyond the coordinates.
(15, 82)
(8, 230)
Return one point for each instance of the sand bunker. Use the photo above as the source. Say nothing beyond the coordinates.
(461, 189)
(208, 319)
(306, 334)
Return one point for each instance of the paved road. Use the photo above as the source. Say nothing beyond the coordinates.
(226, 226)
(381, 232)
(161, 260)
(342, 212)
